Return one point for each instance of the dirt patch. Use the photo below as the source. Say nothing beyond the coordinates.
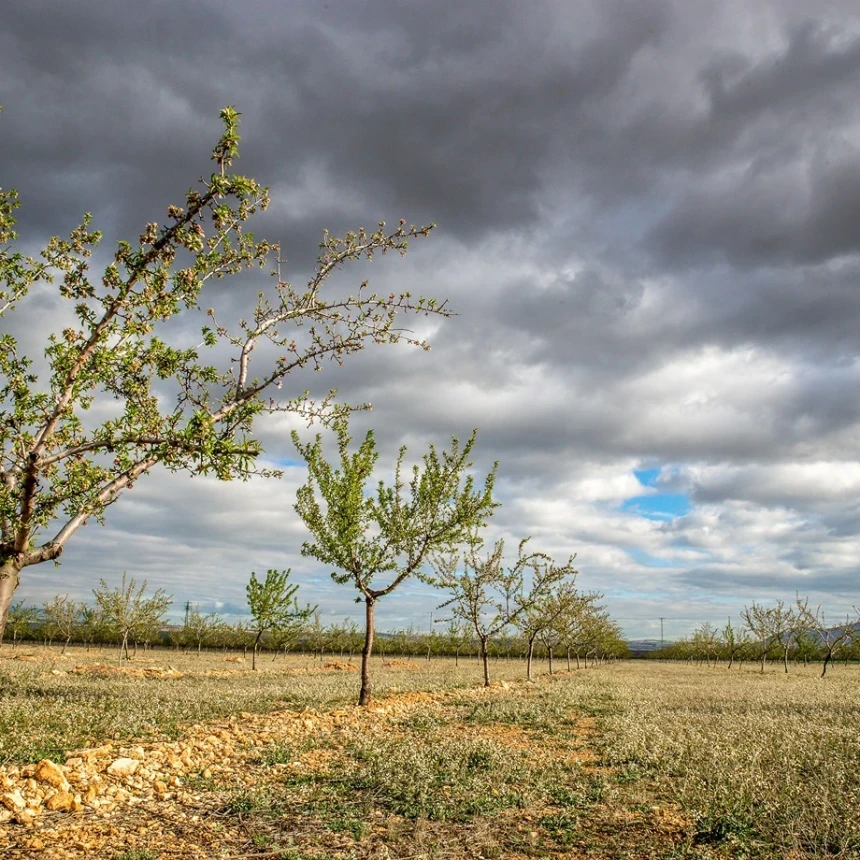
(337, 666)
(402, 664)
(103, 670)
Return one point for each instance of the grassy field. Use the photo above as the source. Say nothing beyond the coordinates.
(80, 699)
(636, 760)
(769, 763)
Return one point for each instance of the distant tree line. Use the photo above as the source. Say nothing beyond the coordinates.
(564, 625)
(784, 632)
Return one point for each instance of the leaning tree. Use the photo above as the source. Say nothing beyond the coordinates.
(181, 405)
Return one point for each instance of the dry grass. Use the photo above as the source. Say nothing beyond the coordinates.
(46, 707)
(635, 760)
(768, 764)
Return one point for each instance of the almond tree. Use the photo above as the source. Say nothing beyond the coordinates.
(831, 639)
(168, 404)
(317, 636)
(539, 620)
(457, 635)
(572, 626)
(21, 620)
(91, 625)
(284, 638)
(125, 612)
(199, 627)
(394, 531)
(62, 617)
(733, 642)
(705, 642)
(564, 602)
(755, 617)
(274, 608)
(489, 596)
(593, 632)
(777, 624)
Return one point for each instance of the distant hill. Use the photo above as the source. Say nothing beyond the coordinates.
(644, 646)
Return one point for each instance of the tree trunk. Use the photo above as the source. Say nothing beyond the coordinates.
(568, 659)
(549, 652)
(529, 656)
(785, 659)
(8, 583)
(826, 661)
(256, 647)
(66, 644)
(364, 695)
(485, 660)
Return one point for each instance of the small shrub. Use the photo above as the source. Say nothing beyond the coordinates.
(443, 778)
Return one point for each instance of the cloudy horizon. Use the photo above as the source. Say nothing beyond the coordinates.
(647, 225)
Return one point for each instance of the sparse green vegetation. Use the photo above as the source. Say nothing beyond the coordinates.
(137, 854)
(764, 763)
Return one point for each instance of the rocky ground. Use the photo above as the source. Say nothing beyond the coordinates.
(106, 797)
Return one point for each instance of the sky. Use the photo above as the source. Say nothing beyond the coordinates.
(647, 221)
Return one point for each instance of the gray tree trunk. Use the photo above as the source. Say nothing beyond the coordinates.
(485, 659)
(9, 571)
(364, 695)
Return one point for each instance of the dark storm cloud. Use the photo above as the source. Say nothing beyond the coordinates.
(443, 113)
(769, 586)
(789, 187)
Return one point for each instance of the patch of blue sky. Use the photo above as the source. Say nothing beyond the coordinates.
(287, 462)
(658, 506)
(647, 477)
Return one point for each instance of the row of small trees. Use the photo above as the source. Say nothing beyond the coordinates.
(563, 622)
(786, 632)
(426, 528)
(598, 638)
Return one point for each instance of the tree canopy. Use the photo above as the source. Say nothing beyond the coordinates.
(365, 535)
